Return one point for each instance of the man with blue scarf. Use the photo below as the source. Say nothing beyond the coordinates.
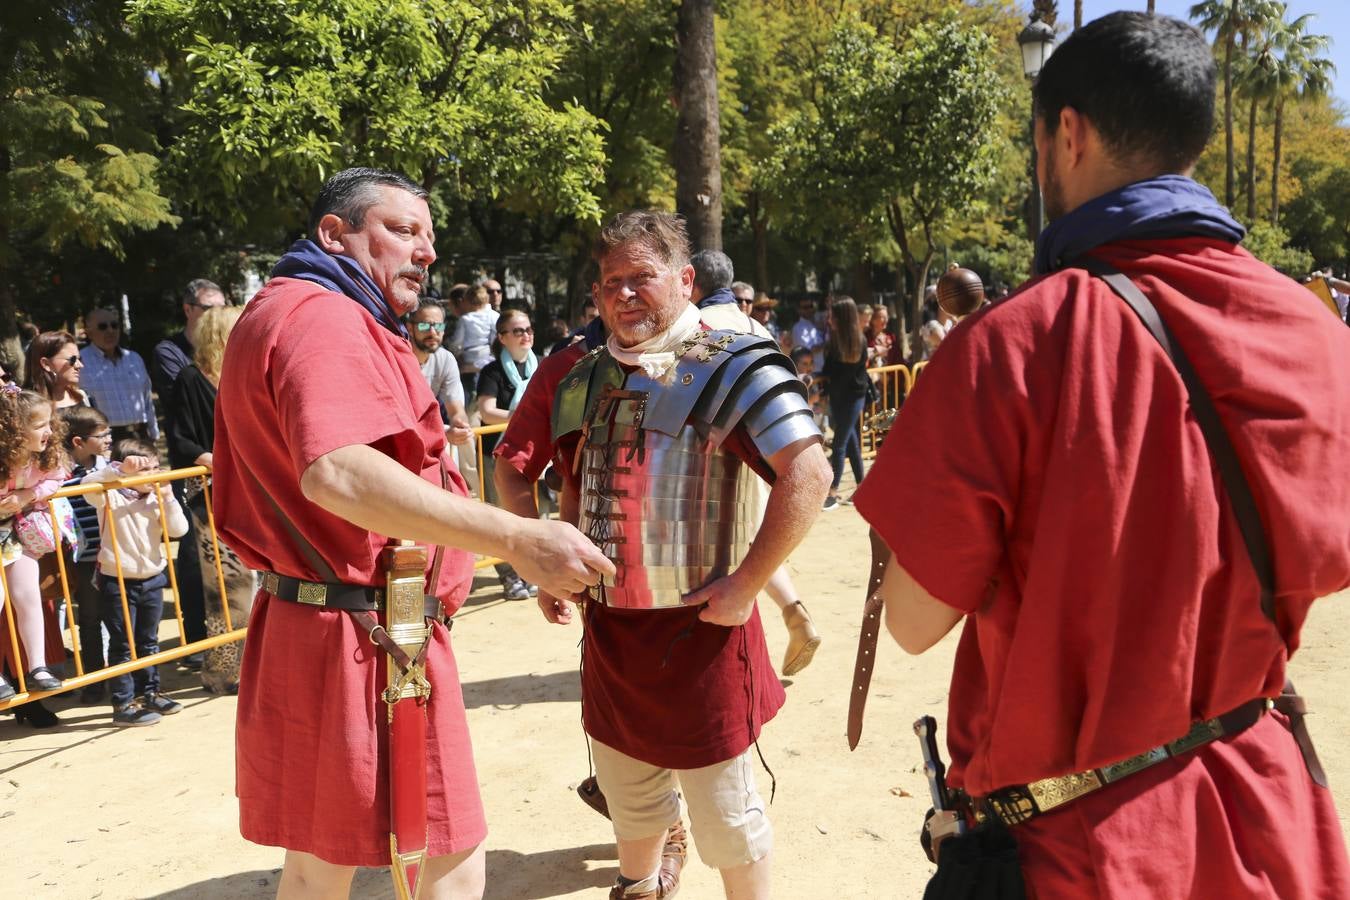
(1116, 720)
(329, 446)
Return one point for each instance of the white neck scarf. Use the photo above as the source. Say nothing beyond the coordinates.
(656, 356)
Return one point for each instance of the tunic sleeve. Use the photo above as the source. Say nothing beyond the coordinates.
(317, 409)
(943, 487)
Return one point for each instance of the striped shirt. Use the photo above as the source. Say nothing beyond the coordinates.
(119, 387)
(86, 517)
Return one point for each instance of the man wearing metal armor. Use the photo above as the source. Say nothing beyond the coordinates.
(659, 433)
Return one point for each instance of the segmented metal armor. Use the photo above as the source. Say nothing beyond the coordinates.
(660, 496)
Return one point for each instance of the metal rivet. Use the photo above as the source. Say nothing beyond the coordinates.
(687, 379)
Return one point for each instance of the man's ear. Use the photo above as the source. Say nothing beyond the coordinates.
(687, 281)
(330, 232)
(1073, 135)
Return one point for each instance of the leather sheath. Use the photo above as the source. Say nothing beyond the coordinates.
(867, 640)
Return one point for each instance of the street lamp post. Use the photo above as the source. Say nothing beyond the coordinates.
(1037, 41)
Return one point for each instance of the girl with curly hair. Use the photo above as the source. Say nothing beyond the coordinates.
(32, 466)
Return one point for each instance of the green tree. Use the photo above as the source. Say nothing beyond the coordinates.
(77, 163)
(1291, 64)
(874, 154)
(1270, 244)
(277, 94)
(1232, 21)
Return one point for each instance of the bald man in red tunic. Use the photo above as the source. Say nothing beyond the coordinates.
(1115, 697)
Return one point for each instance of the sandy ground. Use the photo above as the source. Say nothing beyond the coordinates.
(90, 811)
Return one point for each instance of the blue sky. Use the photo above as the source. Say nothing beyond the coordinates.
(1333, 19)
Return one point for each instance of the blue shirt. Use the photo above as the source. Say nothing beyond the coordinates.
(119, 387)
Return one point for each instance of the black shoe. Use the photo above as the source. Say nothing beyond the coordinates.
(6, 689)
(193, 662)
(133, 715)
(42, 679)
(165, 706)
(37, 715)
(831, 502)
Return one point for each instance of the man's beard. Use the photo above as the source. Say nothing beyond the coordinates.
(1052, 194)
(656, 322)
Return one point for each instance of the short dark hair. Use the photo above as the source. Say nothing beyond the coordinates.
(428, 303)
(132, 446)
(351, 192)
(1145, 82)
(712, 271)
(662, 233)
(82, 421)
(197, 285)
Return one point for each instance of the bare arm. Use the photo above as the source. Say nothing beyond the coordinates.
(558, 610)
(490, 413)
(803, 479)
(915, 618)
(368, 489)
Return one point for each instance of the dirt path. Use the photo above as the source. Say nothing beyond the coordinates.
(90, 811)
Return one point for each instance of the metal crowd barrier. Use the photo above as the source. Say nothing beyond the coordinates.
(109, 535)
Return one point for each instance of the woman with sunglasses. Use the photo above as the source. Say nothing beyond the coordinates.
(501, 384)
(53, 369)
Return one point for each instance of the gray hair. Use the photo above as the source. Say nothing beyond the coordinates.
(196, 286)
(712, 271)
(349, 193)
(742, 286)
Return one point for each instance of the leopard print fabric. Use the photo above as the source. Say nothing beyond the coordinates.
(220, 669)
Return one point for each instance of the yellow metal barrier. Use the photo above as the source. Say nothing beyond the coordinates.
(893, 385)
(109, 534)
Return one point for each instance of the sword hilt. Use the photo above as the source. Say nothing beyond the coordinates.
(933, 768)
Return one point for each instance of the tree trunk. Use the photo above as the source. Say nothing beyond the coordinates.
(1228, 111)
(1275, 166)
(918, 270)
(1077, 14)
(698, 161)
(760, 225)
(862, 283)
(1251, 164)
(1151, 10)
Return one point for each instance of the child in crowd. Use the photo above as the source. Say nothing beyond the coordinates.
(32, 463)
(88, 440)
(136, 541)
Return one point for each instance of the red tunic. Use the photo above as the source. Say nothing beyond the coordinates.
(1067, 501)
(308, 371)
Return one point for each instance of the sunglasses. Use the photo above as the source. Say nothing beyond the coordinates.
(438, 327)
(73, 359)
(518, 332)
(109, 326)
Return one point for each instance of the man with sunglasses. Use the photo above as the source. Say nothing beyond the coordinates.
(116, 378)
(439, 367)
(495, 293)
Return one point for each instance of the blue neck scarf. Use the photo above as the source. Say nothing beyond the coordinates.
(342, 275)
(717, 298)
(1169, 206)
(513, 376)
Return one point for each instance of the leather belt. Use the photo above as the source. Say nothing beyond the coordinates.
(348, 597)
(1020, 803)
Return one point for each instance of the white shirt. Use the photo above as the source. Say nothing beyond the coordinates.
(472, 341)
(442, 374)
(806, 334)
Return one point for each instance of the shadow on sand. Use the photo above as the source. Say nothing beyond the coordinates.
(510, 874)
(513, 691)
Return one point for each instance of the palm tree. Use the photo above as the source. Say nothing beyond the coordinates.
(1290, 64)
(1230, 20)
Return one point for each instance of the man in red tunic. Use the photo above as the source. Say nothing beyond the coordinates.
(1048, 483)
(655, 433)
(328, 443)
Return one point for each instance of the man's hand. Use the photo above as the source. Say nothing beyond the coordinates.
(557, 610)
(458, 432)
(727, 601)
(558, 558)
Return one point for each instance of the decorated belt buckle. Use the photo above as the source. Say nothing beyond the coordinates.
(312, 594)
(1117, 771)
(271, 583)
(1052, 792)
(1200, 733)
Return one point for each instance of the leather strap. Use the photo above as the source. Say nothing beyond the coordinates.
(1225, 457)
(867, 640)
(1235, 482)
